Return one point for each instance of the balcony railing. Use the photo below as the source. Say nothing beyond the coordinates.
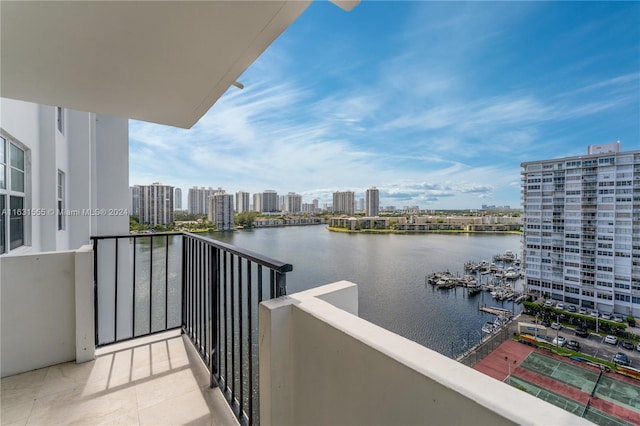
(150, 283)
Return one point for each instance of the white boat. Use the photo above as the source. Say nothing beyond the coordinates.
(488, 328)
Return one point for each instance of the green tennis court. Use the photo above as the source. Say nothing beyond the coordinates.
(621, 393)
(546, 395)
(572, 375)
(594, 415)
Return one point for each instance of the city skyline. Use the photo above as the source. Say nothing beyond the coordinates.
(438, 110)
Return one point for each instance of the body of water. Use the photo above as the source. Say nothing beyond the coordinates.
(390, 271)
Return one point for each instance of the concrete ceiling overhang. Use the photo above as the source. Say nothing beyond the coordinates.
(160, 61)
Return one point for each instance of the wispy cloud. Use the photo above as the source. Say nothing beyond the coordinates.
(419, 112)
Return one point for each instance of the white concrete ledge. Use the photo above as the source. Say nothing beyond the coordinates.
(46, 312)
(320, 364)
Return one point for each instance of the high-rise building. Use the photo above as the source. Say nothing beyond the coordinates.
(581, 231)
(269, 201)
(156, 204)
(315, 205)
(221, 210)
(372, 202)
(293, 203)
(343, 202)
(134, 197)
(257, 202)
(197, 199)
(177, 199)
(242, 202)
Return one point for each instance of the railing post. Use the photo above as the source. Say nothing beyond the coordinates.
(213, 317)
(281, 284)
(95, 288)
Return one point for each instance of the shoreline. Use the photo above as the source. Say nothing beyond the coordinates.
(393, 231)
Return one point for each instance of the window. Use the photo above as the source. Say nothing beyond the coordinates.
(12, 195)
(60, 200)
(60, 119)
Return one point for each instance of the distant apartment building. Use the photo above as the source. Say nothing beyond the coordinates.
(308, 208)
(242, 202)
(582, 228)
(177, 199)
(134, 200)
(221, 210)
(372, 202)
(361, 205)
(315, 205)
(494, 207)
(257, 202)
(293, 203)
(269, 201)
(343, 202)
(411, 209)
(156, 204)
(197, 198)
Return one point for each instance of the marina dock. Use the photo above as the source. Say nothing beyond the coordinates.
(495, 311)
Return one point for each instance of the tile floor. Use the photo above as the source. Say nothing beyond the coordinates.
(156, 381)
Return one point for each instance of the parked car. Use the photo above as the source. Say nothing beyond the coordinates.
(638, 347)
(571, 308)
(548, 303)
(546, 323)
(574, 345)
(560, 306)
(556, 325)
(610, 339)
(582, 311)
(618, 318)
(627, 345)
(621, 359)
(594, 313)
(581, 331)
(607, 316)
(559, 341)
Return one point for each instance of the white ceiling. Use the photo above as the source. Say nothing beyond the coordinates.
(161, 61)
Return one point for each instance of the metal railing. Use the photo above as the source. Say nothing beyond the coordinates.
(222, 287)
(145, 284)
(136, 285)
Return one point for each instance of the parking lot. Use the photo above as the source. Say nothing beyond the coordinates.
(593, 345)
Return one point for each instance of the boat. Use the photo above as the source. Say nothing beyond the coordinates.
(488, 328)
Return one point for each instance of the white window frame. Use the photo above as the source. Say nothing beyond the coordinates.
(7, 193)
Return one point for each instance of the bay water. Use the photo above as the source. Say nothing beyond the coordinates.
(390, 271)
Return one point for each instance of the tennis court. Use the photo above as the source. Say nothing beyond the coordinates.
(572, 375)
(620, 393)
(592, 414)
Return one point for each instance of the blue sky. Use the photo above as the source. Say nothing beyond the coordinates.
(434, 103)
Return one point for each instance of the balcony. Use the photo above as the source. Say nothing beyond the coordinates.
(165, 330)
(159, 381)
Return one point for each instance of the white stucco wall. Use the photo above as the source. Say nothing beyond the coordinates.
(39, 321)
(322, 365)
(93, 152)
(110, 183)
(38, 311)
